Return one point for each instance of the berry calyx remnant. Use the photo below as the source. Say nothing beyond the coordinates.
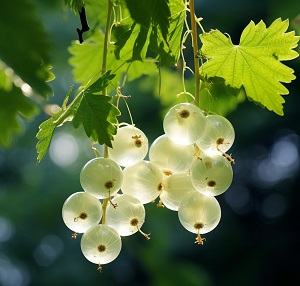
(199, 240)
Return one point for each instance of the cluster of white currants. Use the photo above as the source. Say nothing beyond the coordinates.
(188, 166)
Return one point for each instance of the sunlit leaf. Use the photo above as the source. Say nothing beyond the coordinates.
(96, 12)
(87, 62)
(44, 135)
(92, 110)
(46, 129)
(255, 63)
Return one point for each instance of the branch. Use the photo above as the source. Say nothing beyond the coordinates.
(84, 25)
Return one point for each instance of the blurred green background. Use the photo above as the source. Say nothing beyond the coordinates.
(256, 242)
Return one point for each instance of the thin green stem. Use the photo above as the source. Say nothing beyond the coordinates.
(104, 67)
(195, 51)
(105, 52)
(105, 151)
(104, 207)
(106, 40)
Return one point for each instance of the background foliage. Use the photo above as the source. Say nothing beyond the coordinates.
(255, 243)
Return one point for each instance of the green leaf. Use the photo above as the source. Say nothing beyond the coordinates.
(97, 115)
(96, 12)
(133, 44)
(86, 58)
(14, 105)
(219, 98)
(87, 61)
(75, 5)
(255, 63)
(44, 135)
(46, 129)
(24, 44)
(157, 27)
(145, 12)
(101, 83)
(83, 110)
(169, 50)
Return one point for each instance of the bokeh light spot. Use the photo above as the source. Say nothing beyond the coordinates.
(64, 149)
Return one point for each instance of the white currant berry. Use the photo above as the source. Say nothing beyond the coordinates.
(101, 244)
(142, 180)
(199, 214)
(101, 177)
(175, 188)
(80, 211)
(169, 156)
(129, 215)
(129, 146)
(219, 135)
(184, 123)
(211, 174)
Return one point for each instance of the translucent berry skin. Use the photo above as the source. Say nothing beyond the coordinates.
(101, 177)
(171, 157)
(81, 211)
(128, 217)
(212, 174)
(219, 135)
(184, 123)
(175, 188)
(101, 244)
(142, 180)
(129, 146)
(198, 209)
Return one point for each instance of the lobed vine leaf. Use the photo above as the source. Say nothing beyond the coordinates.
(46, 129)
(98, 116)
(254, 64)
(44, 135)
(89, 108)
(87, 61)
